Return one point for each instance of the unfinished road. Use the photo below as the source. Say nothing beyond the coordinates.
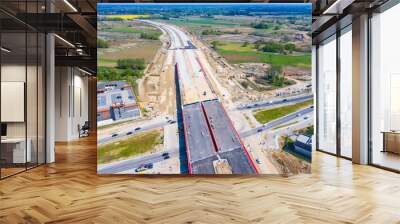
(212, 144)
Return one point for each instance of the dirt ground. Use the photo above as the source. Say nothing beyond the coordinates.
(286, 163)
(146, 49)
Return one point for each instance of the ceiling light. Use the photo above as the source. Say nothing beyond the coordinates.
(5, 50)
(70, 5)
(338, 6)
(86, 72)
(64, 40)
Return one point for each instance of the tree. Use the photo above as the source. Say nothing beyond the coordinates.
(134, 64)
(290, 47)
(245, 44)
(214, 44)
(102, 43)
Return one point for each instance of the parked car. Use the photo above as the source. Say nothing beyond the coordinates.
(258, 161)
(114, 135)
(129, 133)
(167, 157)
(138, 128)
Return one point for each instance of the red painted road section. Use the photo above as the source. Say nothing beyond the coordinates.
(209, 127)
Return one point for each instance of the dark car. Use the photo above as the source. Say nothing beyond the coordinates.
(284, 100)
(172, 122)
(140, 168)
(129, 133)
(259, 130)
(165, 154)
(167, 157)
(114, 135)
(138, 128)
(148, 166)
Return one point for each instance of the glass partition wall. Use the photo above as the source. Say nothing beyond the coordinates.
(334, 92)
(385, 90)
(22, 77)
(345, 108)
(327, 95)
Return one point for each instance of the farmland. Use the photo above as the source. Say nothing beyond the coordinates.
(236, 53)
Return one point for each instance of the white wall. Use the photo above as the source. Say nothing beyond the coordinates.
(71, 94)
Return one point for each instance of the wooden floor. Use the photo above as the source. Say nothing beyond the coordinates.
(69, 191)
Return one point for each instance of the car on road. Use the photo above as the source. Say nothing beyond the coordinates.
(129, 133)
(165, 154)
(306, 117)
(259, 130)
(114, 135)
(144, 167)
(258, 161)
(148, 166)
(138, 128)
(284, 100)
(172, 122)
(140, 169)
(271, 101)
(166, 157)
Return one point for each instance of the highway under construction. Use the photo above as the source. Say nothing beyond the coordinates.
(213, 146)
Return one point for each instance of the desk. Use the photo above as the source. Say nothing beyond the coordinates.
(391, 141)
(13, 150)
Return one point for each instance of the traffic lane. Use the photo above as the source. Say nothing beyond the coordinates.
(132, 131)
(256, 105)
(135, 162)
(277, 122)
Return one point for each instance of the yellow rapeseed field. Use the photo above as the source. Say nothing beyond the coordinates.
(137, 16)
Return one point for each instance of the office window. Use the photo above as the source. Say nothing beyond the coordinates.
(327, 95)
(385, 89)
(346, 92)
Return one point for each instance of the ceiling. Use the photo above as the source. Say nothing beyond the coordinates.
(72, 20)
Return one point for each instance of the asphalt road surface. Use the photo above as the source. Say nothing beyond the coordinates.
(134, 163)
(277, 122)
(132, 131)
(257, 105)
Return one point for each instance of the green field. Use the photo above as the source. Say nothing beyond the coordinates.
(130, 30)
(265, 116)
(129, 147)
(201, 22)
(103, 62)
(235, 53)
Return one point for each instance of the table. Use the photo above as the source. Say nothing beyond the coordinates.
(13, 150)
(391, 141)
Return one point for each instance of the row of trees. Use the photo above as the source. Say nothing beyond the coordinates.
(150, 35)
(275, 47)
(101, 43)
(275, 77)
(126, 69)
